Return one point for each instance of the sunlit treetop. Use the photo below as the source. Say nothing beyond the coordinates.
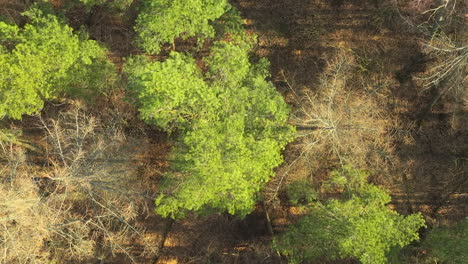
(360, 225)
(161, 21)
(171, 93)
(232, 124)
(43, 60)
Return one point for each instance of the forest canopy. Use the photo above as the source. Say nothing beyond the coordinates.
(233, 131)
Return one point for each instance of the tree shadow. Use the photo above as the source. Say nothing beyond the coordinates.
(434, 163)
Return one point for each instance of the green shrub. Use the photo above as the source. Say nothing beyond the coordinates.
(301, 192)
(229, 23)
(93, 2)
(228, 63)
(347, 177)
(448, 244)
(360, 226)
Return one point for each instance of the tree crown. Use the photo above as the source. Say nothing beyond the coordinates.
(359, 226)
(43, 60)
(233, 126)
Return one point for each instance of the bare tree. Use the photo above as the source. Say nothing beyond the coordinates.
(80, 205)
(448, 73)
(337, 125)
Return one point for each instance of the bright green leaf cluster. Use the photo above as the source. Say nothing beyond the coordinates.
(233, 126)
(43, 60)
(361, 226)
(171, 92)
(161, 21)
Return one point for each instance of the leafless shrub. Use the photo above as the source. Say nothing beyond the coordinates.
(22, 238)
(444, 41)
(82, 205)
(24, 218)
(451, 62)
(441, 11)
(11, 9)
(92, 176)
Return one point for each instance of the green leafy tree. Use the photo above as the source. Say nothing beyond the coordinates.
(161, 21)
(43, 60)
(233, 126)
(448, 244)
(359, 226)
(219, 167)
(93, 2)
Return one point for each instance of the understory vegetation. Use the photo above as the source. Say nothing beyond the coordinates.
(216, 131)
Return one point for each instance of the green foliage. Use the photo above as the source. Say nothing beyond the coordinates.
(361, 226)
(92, 2)
(115, 6)
(347, 177)
(448, 244)
(222, 167)
(228, 63)
(8, 34)
(169, 93)
(230, 152)
(301, 192)
(230, 23)
(233, 126)
(9, 136)
(43, 60)
(161, 21)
